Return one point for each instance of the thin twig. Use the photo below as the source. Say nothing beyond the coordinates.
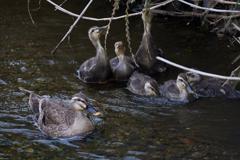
(61, 4)
(226, 2)
(71, 28)
(236, 39)
(235, 26)
(209, 9)
(30, 14)
(196, 71)
(105, 19)
(232, 73)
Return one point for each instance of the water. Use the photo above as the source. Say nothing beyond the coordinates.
(130, 126)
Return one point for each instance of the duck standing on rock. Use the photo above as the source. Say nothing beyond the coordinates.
(58, 119)
(122, 66)
(142, 84)
(212, 87)
(178, 90)
(97, 69)
(147, 52)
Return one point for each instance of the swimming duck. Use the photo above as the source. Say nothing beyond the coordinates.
(97, 69)
(212, 87)
(142, 84)
(58, 119)
(147, 52)
(177, 90)
(122, 66)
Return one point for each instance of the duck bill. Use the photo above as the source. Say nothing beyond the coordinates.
(103, 29)
(90, 109)
(189, 89)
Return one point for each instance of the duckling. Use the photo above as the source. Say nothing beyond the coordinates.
(122, 66)
(211, 87)
(147, 52)
(178, 90)
(142, 84)
(58, 119)
(97, 69)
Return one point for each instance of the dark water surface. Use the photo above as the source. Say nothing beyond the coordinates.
(130, 126)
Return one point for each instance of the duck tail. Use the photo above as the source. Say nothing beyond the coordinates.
(34, 104)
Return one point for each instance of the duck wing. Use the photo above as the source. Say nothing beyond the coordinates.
(87, 67)
(55, 120)
(135, 86)
(114, 62)
(169, 89)
(56, 113)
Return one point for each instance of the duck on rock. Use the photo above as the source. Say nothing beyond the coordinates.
(122, 66)
(97, 69)
(147, 51)
(212, 87)
(58, 119)
(178, 90)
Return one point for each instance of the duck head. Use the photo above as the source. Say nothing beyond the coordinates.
(95, 33)
(194, 77)
(147, 17)
(182, 83)
(152, 89)
(80, 102)
(119, 49)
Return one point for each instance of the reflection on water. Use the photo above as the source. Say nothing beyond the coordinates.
(130, 126)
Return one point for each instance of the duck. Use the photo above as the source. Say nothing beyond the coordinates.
(143, 85)
(122, 66)
(96, 69)
(177, 90)
(57, 119)
(211, 87)
(147, 51)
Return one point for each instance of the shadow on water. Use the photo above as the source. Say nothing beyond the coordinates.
(130, 126)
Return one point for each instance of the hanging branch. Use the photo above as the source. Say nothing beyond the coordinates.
(115, 7)
(128, 33)
(71, 28)
(197, 71)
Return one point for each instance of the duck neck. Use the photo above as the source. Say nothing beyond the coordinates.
(147, 27)
(147, 34)
(121, 58)
(101, 53)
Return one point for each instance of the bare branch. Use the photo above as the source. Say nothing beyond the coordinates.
(196, 71)
(209, 9)
(106, 19)
(72, 26)
(226, 2)
(190, 14)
